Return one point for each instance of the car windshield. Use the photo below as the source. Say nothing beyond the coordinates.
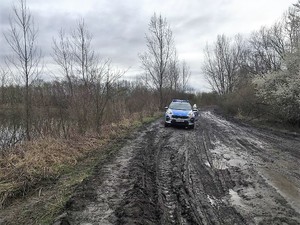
(180, 106)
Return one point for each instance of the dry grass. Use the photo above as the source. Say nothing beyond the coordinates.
(29, 164)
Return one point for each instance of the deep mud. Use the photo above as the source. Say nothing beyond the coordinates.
(219, 173)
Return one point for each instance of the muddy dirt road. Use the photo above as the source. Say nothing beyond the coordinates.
(219, 173)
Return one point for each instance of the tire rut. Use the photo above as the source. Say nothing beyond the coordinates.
(219, 173)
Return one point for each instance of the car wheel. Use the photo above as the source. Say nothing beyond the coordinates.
(167, 125)
(192, 126)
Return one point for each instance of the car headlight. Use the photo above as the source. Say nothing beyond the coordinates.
(169, 111)
(191, 114)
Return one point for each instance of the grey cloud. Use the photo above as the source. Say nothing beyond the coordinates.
(116, 33)
(119, 27)
(4, 15)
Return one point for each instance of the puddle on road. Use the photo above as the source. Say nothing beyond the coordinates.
(235, 199)
(207, 164)
(219, 164)
(219, 121)
(286, 188)
(225, 157)
(211, 200)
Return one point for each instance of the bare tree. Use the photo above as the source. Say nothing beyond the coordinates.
(105, 78)
(178, 74)
(83, 53)
(90, 79)
(62, 55)
(22, 38)
(159, 54)
(221, 65)
(173, 74)
(277, 39)
(4, 80)
(292, 26)
(85, 67)
(185, 75)
(267, 49)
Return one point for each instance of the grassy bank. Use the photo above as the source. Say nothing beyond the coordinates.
(269, 124)
(37, 178)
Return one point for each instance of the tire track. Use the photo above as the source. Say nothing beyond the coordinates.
(219, 173)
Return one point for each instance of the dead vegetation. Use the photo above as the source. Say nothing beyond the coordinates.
(29, 165)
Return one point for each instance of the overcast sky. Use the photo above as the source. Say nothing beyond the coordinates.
(119, 27)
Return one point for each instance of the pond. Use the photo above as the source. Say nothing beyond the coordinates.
(11, 131)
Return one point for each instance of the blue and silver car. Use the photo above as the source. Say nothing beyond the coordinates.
(180, 112)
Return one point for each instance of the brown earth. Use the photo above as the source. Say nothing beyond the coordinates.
(221, 172)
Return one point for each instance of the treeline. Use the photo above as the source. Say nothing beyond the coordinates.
(88, 92)
(259, 75)
(53, 101)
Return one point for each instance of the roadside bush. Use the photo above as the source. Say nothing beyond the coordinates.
(280, 91)
(242, 101)
(205, 99)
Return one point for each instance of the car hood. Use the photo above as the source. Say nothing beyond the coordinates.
(180, 112)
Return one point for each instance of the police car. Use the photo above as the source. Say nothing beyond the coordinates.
(180, 112)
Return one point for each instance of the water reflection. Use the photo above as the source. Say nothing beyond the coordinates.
(10, 136)
(11, 130)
